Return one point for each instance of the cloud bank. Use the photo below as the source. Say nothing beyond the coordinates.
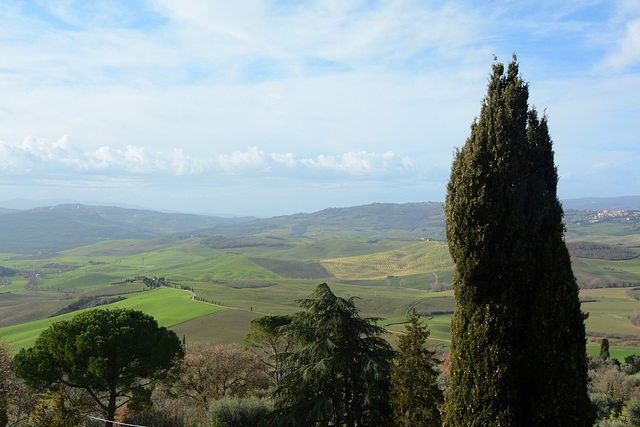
(35, 157)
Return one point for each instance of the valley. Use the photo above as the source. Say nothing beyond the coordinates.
(390, 264)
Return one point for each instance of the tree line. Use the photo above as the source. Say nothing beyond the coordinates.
(595, 250)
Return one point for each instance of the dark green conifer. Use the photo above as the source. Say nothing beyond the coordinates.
(339, 368)
(415, 396)
(604, 349)
(518, 340)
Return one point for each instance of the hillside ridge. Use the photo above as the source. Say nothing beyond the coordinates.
(65, 226)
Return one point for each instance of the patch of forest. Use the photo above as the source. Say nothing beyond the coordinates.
(244, 283)
(227, 242)
(594, 250)
(87, 302)
(8, 272)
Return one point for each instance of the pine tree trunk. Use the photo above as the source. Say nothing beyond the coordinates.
(111, 409)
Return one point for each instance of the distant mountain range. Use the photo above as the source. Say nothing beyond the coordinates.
(628, 203)
(26, 204)
(55, 228)
(585, 203)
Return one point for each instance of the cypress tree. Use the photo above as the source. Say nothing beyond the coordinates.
(604, 349)
(518, 354)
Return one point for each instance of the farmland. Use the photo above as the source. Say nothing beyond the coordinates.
(236, 279)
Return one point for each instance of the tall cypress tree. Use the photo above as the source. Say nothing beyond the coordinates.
(518, 340)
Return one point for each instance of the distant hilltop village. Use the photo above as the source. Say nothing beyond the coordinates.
(593, 216)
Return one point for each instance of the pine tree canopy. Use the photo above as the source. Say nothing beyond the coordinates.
(518, 354)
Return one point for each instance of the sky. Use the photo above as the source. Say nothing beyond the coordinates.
(267, 108)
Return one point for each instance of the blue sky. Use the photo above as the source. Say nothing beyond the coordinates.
(276, 107)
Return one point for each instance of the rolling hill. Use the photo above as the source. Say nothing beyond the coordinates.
(53, 228)
(392, 257)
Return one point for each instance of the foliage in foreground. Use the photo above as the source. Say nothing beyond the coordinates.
(615, 388)
(247, 412)
(16, 400)
(210, 372)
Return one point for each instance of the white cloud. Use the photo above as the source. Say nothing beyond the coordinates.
(407, 163)
(287, 159)
(101, 158)
(37, 155)
(360, 163)
(628, 52)
(185, 165)
(251, 158)
(10, 161)
(44, 149)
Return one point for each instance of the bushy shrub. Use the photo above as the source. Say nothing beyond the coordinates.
(633, 411)
(238, 412)
(443, 382)
(157, 418)
(166, 412)
(604, 405)
(631, 364)
(595, 363)
(209, 372)
(613, 423)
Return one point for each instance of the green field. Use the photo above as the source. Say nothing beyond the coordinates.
(388, 277)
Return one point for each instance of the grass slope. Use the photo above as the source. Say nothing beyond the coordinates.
(168, 306)
(294, 269)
